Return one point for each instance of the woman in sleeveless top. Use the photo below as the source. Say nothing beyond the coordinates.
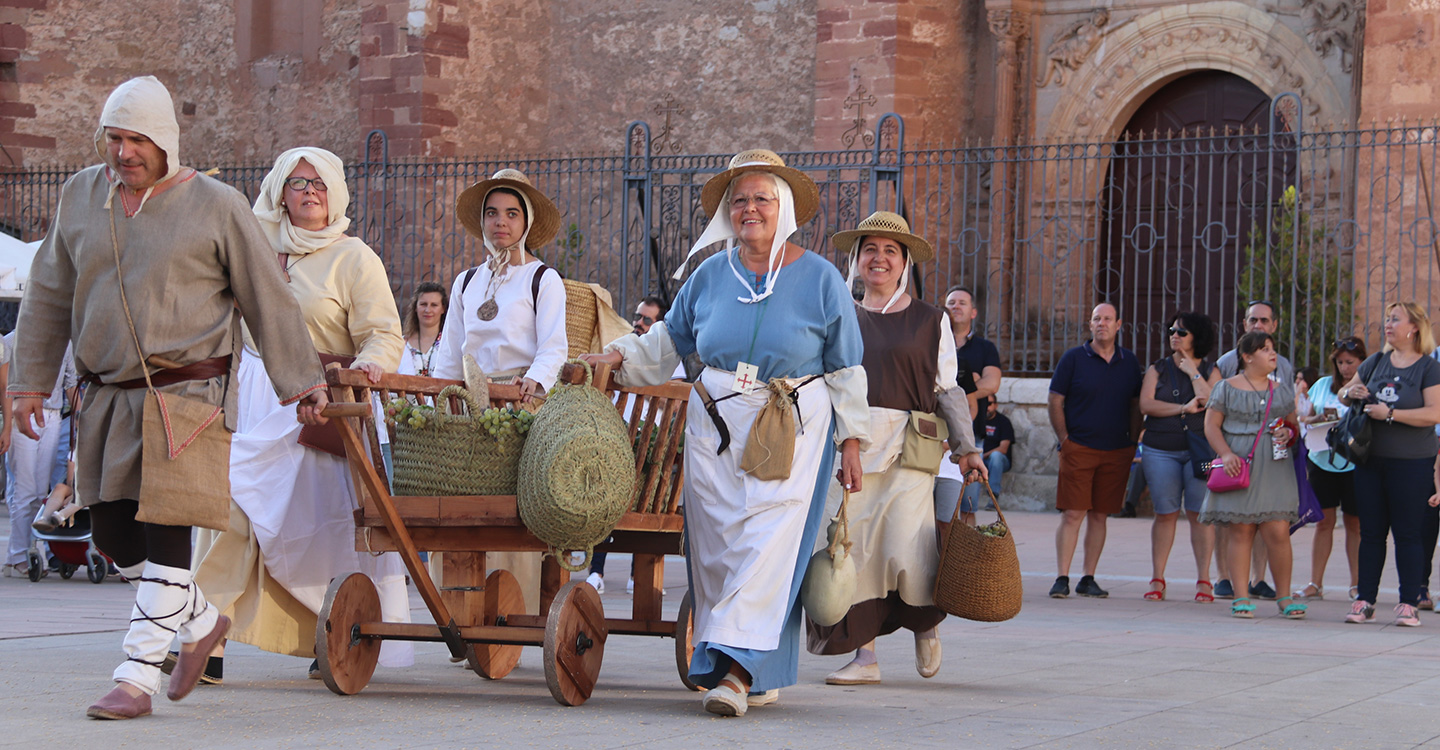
(909, 361)
(1173, 398)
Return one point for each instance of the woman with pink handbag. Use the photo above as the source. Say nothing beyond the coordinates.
(1249, 420)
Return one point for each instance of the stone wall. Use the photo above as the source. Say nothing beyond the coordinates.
(1034, 464)
(67, 56)
(1402, 53)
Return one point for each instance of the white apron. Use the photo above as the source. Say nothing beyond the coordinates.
(892, 519)
(744, 533)
(300, 503)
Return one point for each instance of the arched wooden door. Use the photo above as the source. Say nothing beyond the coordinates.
(1187, 186)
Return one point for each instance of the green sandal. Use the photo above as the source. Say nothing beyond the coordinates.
(1244, 610)
(1291, 611)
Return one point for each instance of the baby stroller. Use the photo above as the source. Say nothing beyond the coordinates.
(70, 544)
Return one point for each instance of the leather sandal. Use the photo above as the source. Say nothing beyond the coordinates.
(1154, 594)
(1242, 608)
(189, 665)
(1292, 611)
(120, 704)
(1205, 595)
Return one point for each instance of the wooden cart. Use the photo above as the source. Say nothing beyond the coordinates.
(481, 618)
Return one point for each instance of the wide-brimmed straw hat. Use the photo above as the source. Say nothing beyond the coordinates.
(885, 224)
(544, 222)
(807, 196)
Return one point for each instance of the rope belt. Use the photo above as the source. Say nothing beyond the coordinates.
(719, 422)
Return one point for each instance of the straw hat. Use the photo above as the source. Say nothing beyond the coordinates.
(807, 196)
(885, 224)
(543, 224)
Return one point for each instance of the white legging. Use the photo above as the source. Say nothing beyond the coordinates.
(29, 466)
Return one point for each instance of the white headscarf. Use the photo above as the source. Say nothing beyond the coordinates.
(899, 288)
(270, 205)
(499, 262)
(721, 229)
(144, 106)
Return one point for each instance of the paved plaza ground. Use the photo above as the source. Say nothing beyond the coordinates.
(1076, 673)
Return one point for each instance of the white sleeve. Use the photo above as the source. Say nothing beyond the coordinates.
(949, 358)
(552, 347)
(452, 337)
(648, 360)
(849, 389)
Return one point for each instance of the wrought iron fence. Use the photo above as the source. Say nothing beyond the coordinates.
(1330, 226)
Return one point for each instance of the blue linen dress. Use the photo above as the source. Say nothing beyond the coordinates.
(807, 327)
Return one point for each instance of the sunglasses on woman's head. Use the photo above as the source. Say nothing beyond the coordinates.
(1348, 345)
(1181, 332)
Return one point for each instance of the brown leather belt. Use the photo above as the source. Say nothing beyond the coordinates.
(205, 369)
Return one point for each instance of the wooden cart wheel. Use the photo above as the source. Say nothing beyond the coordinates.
(575, 633)
(685, 640)
(347, 661)
(502, 599)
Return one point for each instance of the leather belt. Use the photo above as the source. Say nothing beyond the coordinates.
(205, 369)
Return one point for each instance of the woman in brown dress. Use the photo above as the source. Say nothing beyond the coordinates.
(910, 364)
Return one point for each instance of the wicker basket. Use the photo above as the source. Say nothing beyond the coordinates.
(979, 575)
(580, 317)
(577, 475)
(453, 454)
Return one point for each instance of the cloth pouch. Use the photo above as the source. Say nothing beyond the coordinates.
(185, 463)
(924, 444)
(771, 448)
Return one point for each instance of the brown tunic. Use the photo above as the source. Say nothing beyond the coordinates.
(902, 364)
(190, 257)
(902, 356)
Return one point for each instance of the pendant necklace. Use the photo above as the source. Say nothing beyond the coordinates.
(422, 366)
(489, 308)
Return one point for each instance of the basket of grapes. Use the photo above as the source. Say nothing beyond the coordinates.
(438, 452)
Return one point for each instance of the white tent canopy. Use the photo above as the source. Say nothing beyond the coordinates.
(15, 260)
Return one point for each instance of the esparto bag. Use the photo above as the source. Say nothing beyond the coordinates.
(979, 573)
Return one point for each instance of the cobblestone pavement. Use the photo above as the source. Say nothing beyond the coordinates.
(1074, 673)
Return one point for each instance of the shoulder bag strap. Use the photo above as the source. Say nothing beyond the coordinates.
(1269, 392)
(120, 285)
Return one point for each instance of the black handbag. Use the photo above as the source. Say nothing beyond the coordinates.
(1200, 453)
(1350, 437)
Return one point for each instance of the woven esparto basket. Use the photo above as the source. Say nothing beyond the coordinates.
(577, 474)
(453, 454)
(979, 575)
(580, 317)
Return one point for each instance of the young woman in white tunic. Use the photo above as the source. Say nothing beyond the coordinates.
(292, 527)
(910, 365)
(509, 313)
(759, 315)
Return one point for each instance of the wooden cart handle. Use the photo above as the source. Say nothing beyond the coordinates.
(362, 411)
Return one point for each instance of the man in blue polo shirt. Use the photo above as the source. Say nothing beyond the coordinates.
(1095, 411)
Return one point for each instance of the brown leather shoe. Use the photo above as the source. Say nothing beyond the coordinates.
(119, 704)
(191, 663)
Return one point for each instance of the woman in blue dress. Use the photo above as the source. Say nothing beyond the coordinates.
(776, 329)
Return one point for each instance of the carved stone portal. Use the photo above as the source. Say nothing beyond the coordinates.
(1071, 46)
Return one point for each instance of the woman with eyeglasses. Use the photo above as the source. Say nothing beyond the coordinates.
(1331, 475)
(292, 527)
(1399, 389)
(1173, 398)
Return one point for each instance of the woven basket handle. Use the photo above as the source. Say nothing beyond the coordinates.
(442, 406)
(563, 557)
(589, 371)
(958, 502)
